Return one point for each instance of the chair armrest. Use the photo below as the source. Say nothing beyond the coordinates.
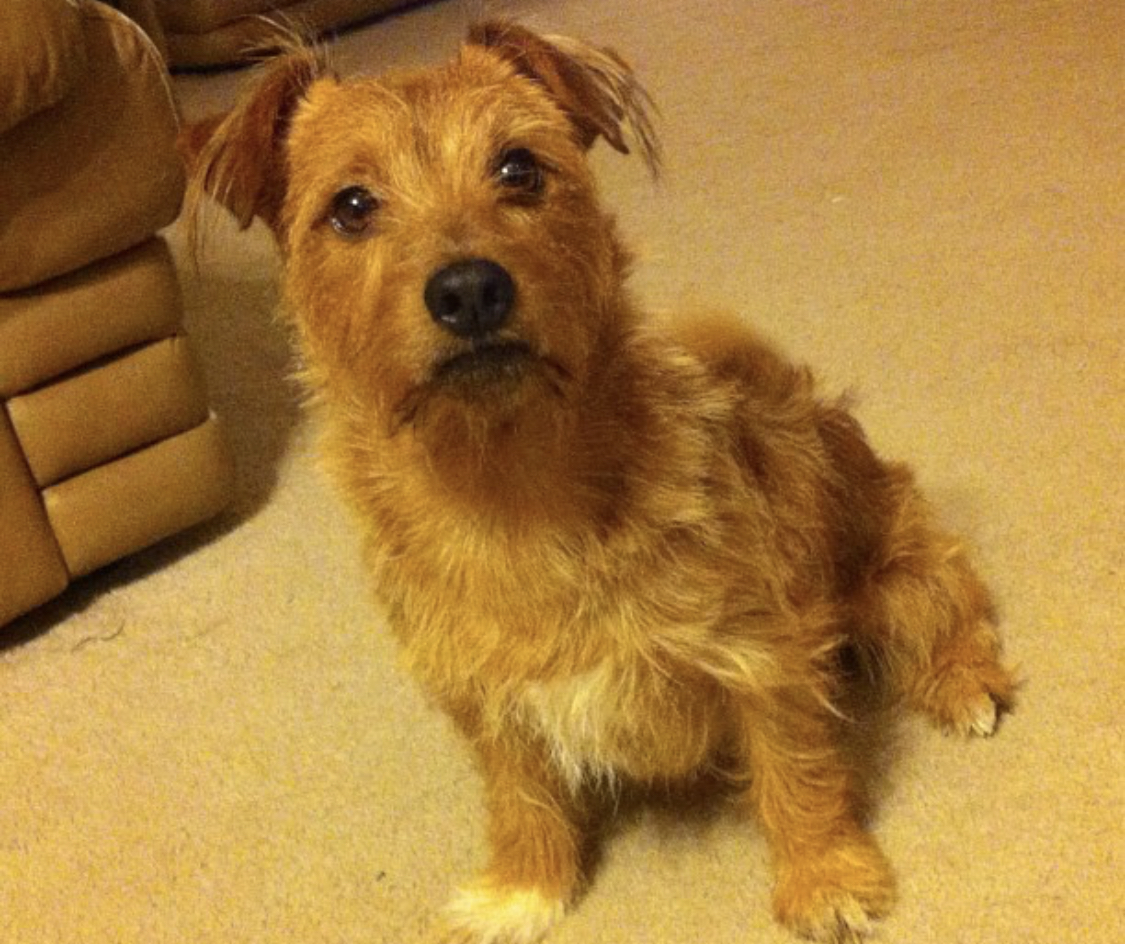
(41, 53)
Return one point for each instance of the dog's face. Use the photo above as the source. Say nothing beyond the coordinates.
(443, 243)
(440, 233)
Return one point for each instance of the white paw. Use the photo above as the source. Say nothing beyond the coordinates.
(484, 914)
(983, 717)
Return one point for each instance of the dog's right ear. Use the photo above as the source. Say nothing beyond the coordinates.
(594, 86)
(238, 158)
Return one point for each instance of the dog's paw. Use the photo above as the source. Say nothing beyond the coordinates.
(836, 897)
(970, 700)
(979, 718)
(486, 914)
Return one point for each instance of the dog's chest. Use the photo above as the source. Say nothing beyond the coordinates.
(623, 719)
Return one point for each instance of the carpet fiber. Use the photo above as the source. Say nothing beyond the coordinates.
(211, 743)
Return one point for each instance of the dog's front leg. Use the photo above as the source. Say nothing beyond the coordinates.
(535, 841)
(832, 879)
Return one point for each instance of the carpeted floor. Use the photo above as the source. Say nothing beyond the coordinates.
(211, 743)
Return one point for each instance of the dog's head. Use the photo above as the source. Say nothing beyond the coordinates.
(441, 234)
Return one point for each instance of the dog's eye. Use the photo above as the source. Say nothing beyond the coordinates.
(519, 171)
(353, 211)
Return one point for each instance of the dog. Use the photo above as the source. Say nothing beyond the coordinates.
(614, 550)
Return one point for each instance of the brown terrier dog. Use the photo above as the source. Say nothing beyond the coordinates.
(611, 551)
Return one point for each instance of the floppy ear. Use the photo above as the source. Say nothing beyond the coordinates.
(238, 158)
(594, 86)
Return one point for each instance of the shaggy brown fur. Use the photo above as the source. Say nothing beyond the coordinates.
(610, 549)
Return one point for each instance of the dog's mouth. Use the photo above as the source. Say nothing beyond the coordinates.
(484, 377)
(485, 363)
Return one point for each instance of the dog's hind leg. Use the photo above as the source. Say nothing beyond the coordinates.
(927, 620)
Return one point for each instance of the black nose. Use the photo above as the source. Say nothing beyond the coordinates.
(471, 298)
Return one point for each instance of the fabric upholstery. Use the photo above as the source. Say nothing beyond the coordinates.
(56, 327)
(30, 559)
(89, 418)
(41, 55)
(154, 493)
(107, 442)
(97, 172)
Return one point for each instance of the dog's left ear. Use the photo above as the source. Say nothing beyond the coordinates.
(594, 86)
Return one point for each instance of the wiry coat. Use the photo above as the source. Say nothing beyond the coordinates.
(633, 547)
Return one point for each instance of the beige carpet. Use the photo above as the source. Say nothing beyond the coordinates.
(211, 743)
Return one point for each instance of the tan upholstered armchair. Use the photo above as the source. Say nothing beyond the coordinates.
(106, 440)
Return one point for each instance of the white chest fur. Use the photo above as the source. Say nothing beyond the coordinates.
(623, 720)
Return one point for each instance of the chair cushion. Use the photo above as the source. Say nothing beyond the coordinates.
(94, 416)
(126, 505)
(51, 329)
(30, 560)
